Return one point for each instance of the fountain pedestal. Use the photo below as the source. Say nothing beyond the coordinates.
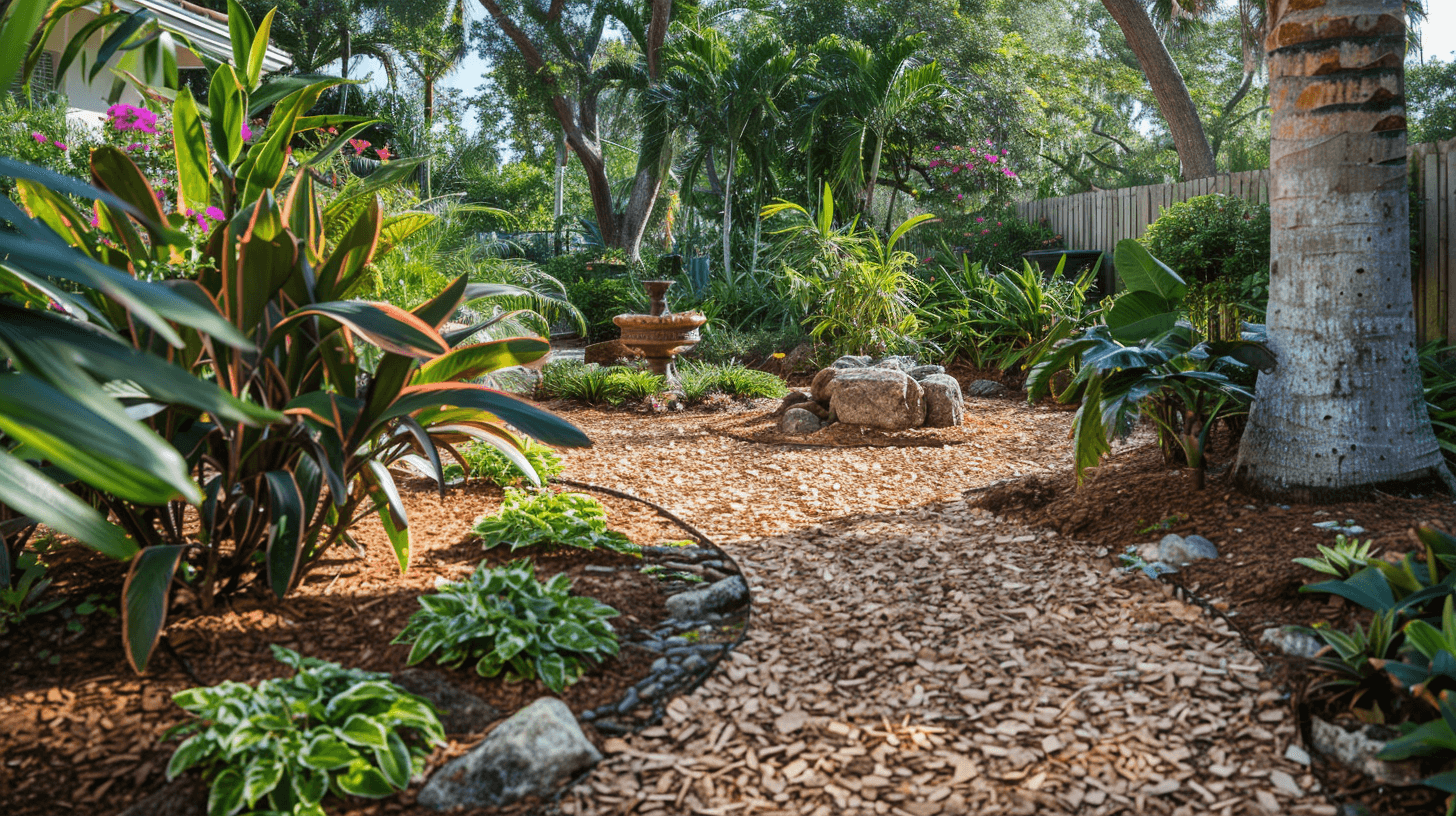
(661, 335)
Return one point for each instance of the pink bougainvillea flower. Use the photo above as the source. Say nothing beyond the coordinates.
(985, 232)
(998, 223)
(61, 145)
(215, 214)
(989, 143)
(384, 154)
(934, 163)
(936, 148)
(39, 137)
(960, 196)
(979, 219)
(247, 132)
(359, 145)
(956, 169)
(992, 158)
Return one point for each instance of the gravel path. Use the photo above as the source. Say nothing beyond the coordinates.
(912, 655)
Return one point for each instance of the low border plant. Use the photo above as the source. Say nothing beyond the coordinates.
(488, 463)
(698, 381)
(505, 620)
(551, 518)
(288, 742)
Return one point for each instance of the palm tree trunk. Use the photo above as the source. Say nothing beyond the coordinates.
(728, 210)
(1168, 87)
(346, 54)
(1343, 412)
(874, 175)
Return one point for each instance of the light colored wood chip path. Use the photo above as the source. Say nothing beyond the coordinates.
(912, 655)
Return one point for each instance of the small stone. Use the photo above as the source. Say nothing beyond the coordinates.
(659, 664)
(851, 361)
(694, 663)
(1359, 750)
(1291, 641)
(721, 596)
(629, 701)
(986, 388)
(1296, 754)
(1284, 783)
(1179, 550)
(531, 754)
(799, 422)
(602, 569)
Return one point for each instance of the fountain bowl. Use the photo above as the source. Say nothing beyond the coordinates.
(661, 335)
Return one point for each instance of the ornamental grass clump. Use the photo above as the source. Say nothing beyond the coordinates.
(284, 744)
(505, 620)
(701, 380)
(549, 518)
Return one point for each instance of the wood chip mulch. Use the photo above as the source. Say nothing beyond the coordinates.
(912, 654)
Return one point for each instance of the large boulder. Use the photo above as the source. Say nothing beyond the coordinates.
(919, 373)
(897, 363)
(879, 398)
(944, 407)
(533, 753)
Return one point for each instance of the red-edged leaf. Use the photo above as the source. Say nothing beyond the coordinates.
(144, 601)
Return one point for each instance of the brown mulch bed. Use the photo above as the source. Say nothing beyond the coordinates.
(83, 736)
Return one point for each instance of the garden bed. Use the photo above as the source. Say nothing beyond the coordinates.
(85, 731)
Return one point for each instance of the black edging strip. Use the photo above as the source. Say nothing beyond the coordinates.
(691, 682)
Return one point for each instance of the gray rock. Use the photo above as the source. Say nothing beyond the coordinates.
(921, 372)
(460, 711)
(533, 753)
(797, 422)
(851, 361)
(1178, 550)
(694, 663)
(1357, 749)
(944, 407)
(1291, 641)
(986, 388)
(720, 596)
(878, 398)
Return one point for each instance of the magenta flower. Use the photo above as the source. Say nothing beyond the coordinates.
(126, 117)
(215, 214)
(384, 154)
(956, 169)
(979, 219)
(992, 158)
(39, 137)
(359, 145)
(989, 143)
(985, 232)
(247, 132)
(936, 148)
(62, 146)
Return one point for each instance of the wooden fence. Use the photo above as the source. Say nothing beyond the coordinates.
(1099, 219)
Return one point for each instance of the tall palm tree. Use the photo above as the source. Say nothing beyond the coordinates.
(1344, 411)
(430, 39)
(869, 90)
(730, 91)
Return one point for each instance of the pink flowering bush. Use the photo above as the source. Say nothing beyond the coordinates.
(41, 135)
(963, 177)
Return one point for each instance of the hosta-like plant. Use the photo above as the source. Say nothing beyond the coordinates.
(505, 620)
(237, 388)
(550, 518)
(282, 745)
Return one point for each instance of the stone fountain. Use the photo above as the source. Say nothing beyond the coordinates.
(661, 335)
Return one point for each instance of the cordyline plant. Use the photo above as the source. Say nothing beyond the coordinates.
(225, 420)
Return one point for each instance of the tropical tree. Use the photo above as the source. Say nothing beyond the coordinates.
(865, 93)
(560, 45)
(1167, 84)
(729, 89)
(1343, 412)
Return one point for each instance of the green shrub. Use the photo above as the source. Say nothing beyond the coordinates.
(488, 463)
(547, 517)
(1219, 244)
(289, 741)
(19, 125)
(596, 385)
(994, 238)
(1438, 375)
(699, 380)
(506, 620)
